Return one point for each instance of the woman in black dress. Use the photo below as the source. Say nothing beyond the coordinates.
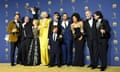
(79, 41)
(33, 57)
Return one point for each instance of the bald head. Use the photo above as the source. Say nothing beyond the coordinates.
(88, 14)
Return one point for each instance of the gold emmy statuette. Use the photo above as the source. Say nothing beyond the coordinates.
(114, 24)
(73, 1)
(49, 2)
(99, 7)
(116, 50)
(6, 13)
(61, 2)
(6, 5)
(27, 4)
(102, 27)
(27, 8)
(61, 9)
(49, 10)
(114, 15)
(6, 51)
(116, 58)
(16, 56)
(86, 8)
(38, 4)
(115, 33)
(73, 8)
(115, 42)
(6, 21)
(73, 50)
(88, 57)
(114, 5)
(17, 5)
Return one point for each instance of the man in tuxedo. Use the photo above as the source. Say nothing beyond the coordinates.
(26, 37)
(55, 22)
(67, 40)
(14, 30)
(91, 36)
(55, 47)
(34, 11)
(103, 35)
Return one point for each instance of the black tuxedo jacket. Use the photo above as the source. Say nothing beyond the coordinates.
(50, 28)
(105, 25)
(28, 31)
(90, 32)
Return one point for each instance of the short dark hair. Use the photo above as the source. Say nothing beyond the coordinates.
(17, 13)
(76, 15)
(57, 13)
(64, 13)
(99, 13)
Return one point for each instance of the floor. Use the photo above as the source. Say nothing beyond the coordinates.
(5, 67)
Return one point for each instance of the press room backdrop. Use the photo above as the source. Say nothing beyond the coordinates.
(109, 8)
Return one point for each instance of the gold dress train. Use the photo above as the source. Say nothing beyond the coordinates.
(44, 26)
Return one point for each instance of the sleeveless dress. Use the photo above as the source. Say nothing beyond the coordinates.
(79, 48)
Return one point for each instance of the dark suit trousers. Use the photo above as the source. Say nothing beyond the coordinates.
(15, 45)
(25, 45)
(92, 45)
(54, 58)
(102, 52)
(67, 52)
(54, 54)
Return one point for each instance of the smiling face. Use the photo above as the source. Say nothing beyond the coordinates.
(35, 22)
(56, 17)
(44, 14)
(96, 17)
(74, 18)
(26, 19)
(64, 17)
(88, 14)
(17, 17)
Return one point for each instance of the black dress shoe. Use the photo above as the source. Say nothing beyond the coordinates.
(103, 68)
(51, 65)
(89, 66)
(69, 64)
(59, 65)
(12, 64)
(94, 67)
(82, 65)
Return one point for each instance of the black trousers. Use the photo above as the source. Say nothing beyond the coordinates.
(54, 58)
(14, 46)
(25, 45)
(101, 52)
(92, 45)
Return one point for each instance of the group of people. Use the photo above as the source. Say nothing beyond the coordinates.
(50, 42)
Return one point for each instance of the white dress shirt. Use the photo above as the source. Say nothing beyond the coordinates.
(98, 23)
(16, 22)
(55, 23)
(91, 22)
(54, 36)
(65, 22)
